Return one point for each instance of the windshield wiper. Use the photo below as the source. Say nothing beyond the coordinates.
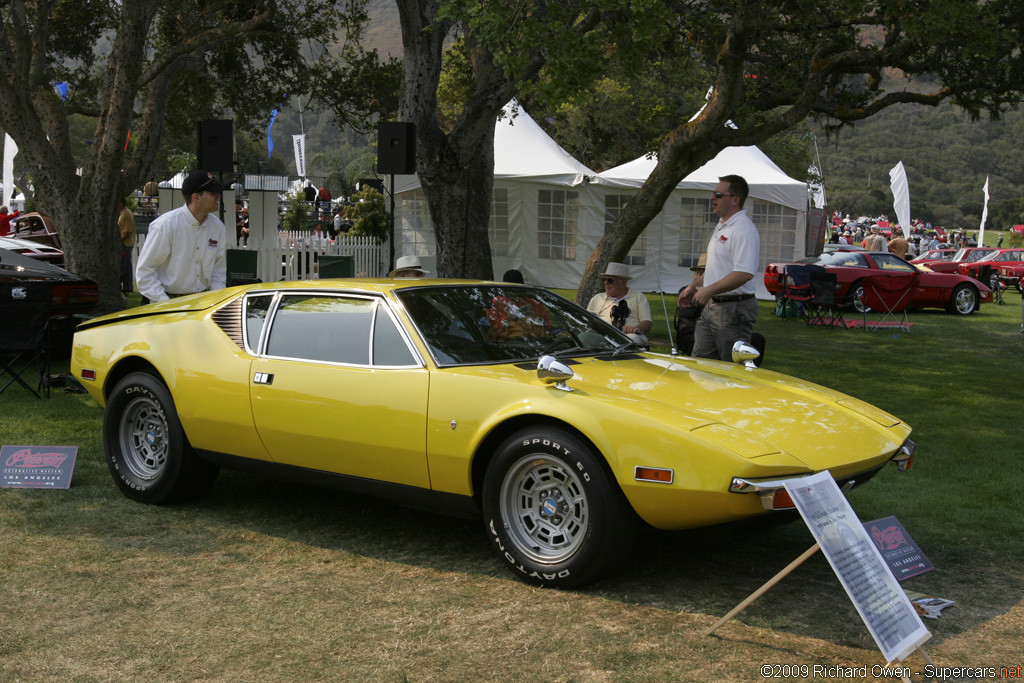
(630, 344)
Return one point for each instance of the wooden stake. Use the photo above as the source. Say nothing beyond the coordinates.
(764, 589)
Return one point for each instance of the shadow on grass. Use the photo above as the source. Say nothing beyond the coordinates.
(704, 571)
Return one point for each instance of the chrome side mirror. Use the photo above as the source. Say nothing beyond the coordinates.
(550, 370)
(745, 354)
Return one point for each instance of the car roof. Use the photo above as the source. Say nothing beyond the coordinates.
(16, 243)
(27, 268)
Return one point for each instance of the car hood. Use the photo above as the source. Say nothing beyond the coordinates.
(750, 411)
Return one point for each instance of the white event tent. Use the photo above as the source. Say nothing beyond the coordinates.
(675, 239)
(549, 211)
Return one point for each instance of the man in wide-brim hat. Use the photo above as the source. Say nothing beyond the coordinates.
(624, 308)
(408, 266)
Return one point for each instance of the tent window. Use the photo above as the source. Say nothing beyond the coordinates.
(499, 222)
(613, 204)
(556, 224)
(412, 222)
(777, 225)
(696, 223)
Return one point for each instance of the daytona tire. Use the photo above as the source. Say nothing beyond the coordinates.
(146, 449)
(553, 510)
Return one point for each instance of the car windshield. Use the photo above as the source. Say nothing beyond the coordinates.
(465, 325)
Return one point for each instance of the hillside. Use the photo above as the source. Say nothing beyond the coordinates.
(947, 158)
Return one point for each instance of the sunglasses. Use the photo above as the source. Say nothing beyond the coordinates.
(719, 195)
(609, 280)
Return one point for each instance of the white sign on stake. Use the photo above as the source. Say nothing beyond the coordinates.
(874, 591)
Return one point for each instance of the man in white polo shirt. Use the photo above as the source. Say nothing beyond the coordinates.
(186, 249)
(726, 289)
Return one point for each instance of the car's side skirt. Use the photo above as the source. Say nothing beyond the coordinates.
(409, 496)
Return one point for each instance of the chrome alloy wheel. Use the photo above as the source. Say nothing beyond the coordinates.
(143, 437)
(545, 508)
(964, 300)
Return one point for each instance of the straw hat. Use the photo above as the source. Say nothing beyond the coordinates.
(408, 263)
(618, 270)
(702, 263)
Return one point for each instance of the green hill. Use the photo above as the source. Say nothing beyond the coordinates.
(947, 158)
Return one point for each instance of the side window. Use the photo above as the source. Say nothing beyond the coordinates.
(890, 262)
(322, 328)
(256, 309)
(389, 347)
(848, 259)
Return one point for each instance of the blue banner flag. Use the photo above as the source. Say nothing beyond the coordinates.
(270, 140)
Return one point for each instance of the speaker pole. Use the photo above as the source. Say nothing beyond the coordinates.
(391, 221)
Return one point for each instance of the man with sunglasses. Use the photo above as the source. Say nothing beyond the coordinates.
(626, 309)
(726, 288)
(186, 249)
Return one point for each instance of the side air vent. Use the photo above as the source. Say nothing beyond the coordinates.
(229, 319)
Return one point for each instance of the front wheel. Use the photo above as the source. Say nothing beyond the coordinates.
(963, 300)
(147, 451)
(554, 512)
(857, 297)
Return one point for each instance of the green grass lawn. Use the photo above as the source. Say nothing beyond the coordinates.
(265, 581)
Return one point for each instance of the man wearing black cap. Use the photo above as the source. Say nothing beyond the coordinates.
(185, 250)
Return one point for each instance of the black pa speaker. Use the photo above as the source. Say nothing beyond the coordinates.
(216, 150)
(396, 148)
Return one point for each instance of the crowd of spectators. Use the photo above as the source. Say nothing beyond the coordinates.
(879, 234)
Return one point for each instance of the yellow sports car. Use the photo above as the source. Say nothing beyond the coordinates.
(490, 399)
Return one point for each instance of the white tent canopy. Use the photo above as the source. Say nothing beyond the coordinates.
(766, 180)
(549, 211)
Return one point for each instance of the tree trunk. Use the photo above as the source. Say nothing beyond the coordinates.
(458, 191)
(679, 156)
(456, 168)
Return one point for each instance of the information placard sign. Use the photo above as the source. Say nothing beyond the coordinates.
(874, 591)
(37, 467)
(898, 549)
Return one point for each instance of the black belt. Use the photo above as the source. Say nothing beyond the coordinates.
(726, 298)
(175, 296)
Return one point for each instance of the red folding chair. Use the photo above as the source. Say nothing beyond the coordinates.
(797, 290)
(888, 297)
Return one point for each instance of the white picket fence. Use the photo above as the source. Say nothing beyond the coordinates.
(296, 255)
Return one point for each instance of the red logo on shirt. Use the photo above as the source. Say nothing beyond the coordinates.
(723, 238)
(212, 243)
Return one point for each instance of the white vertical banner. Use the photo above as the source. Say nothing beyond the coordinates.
(300, 154)
(984, 216)
(901, 196)
(10, 150)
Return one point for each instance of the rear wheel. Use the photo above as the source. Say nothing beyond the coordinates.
(146, 448)
(554, 512)
(963, 301)
(857, 297)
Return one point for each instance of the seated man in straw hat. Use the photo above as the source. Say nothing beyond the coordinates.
(624, 308)
(408, 266)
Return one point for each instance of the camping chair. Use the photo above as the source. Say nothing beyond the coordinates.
(25, 334)
(823, 307)
(888, 297)
(985, 277)
(797, 290)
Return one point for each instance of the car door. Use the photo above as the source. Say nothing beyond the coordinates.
(337, 386)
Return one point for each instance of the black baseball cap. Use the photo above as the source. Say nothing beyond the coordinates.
(201, 181)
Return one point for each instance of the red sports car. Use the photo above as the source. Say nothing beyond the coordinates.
(944, 264)
(1012, 276)
(935, 255)
(996, 260)
(951, 291)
